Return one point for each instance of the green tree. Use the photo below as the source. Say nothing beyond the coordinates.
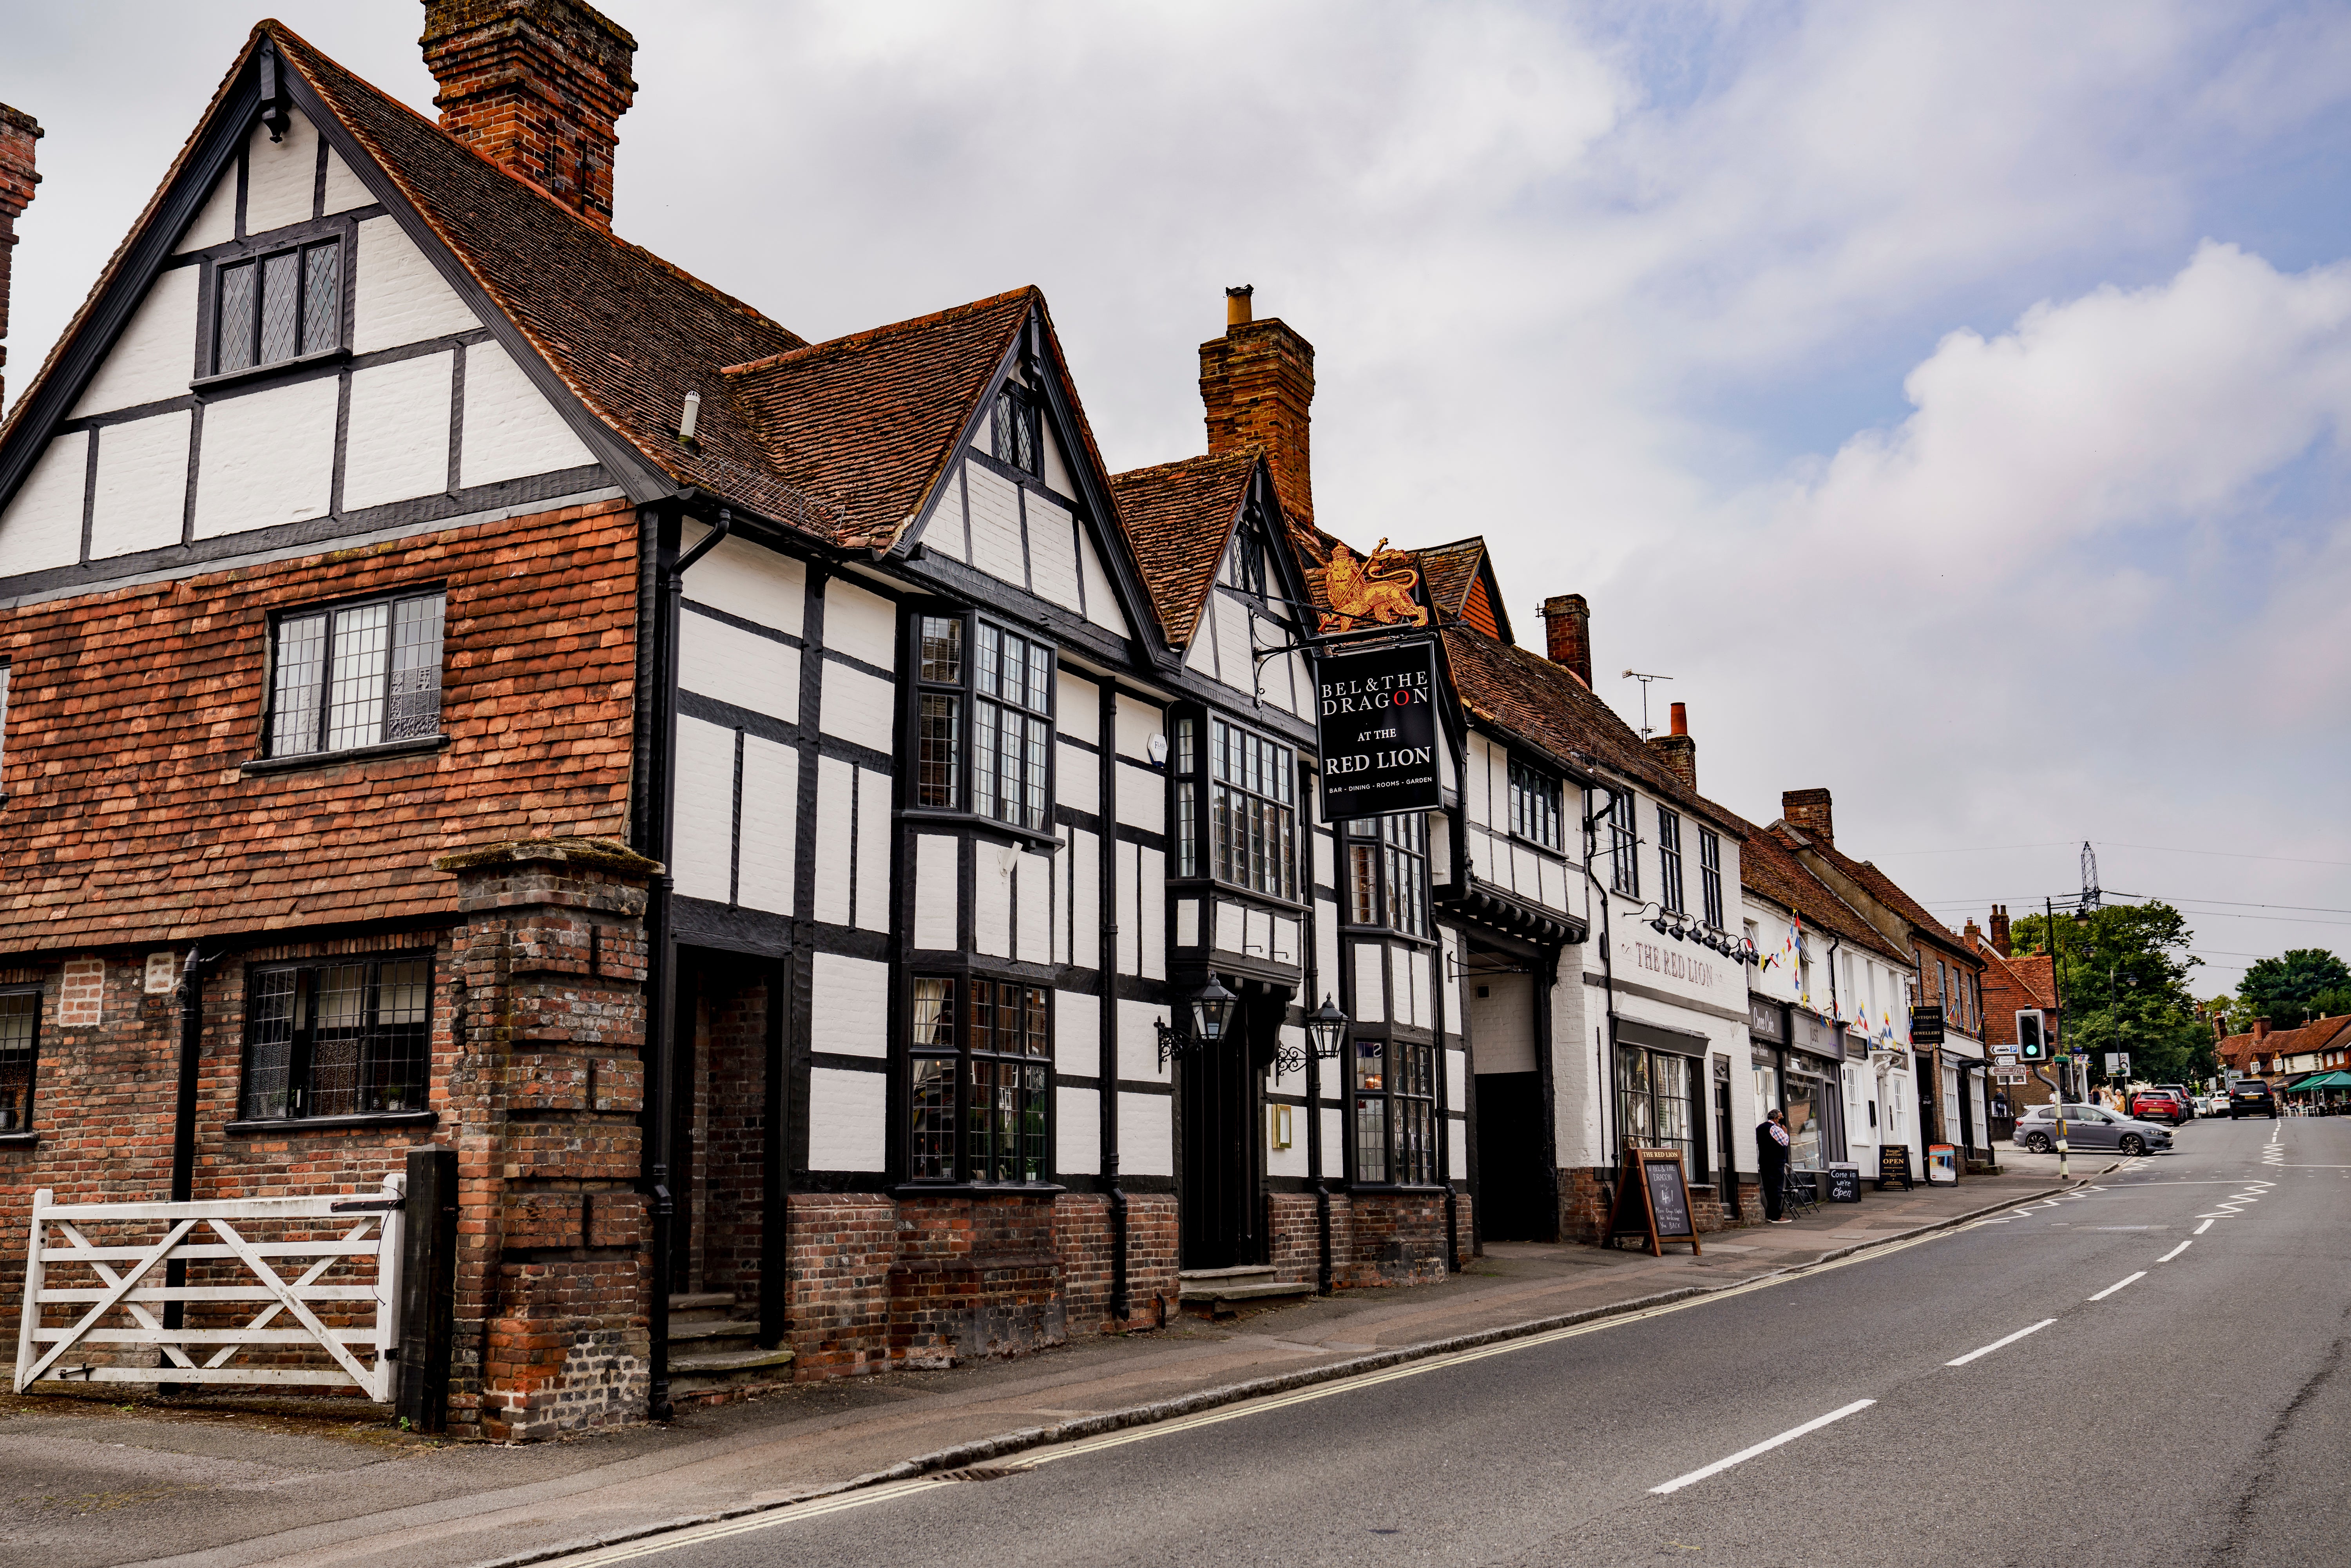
(2292, 989)
(2122, 976)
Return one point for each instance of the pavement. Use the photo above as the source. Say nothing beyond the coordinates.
(218, 1481)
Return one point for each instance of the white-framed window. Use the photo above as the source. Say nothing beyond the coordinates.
(984, 721)
(352, 676)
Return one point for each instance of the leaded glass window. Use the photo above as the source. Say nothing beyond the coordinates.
(277, 308)
(1013, 437)
(361, 674)
(1387, 873)
(351, 1036)
(981, 1060)
(20, 1035)
(1394, 1089)
(1250, 793)
(984, 722)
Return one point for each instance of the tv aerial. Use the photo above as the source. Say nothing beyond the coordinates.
(1645, 679)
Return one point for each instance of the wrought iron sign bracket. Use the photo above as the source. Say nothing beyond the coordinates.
(1312, 642)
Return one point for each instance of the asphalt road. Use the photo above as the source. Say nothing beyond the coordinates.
(2167, 1389)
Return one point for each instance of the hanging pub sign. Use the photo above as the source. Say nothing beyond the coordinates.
(1377, 727)
(1926, 1024)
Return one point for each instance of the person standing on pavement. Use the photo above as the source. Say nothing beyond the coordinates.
(1772, 1160)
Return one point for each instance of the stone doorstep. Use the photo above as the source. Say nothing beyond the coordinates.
(713, 1328)
(701, 1303)
(710, 1362)
(1239, 1272)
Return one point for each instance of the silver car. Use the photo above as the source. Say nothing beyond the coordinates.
(2089, 1127)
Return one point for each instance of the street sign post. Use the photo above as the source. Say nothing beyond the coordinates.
(2119, 1065)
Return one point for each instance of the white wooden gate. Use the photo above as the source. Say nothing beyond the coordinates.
(123, 1272)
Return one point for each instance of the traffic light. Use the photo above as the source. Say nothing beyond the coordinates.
(2032, 1041)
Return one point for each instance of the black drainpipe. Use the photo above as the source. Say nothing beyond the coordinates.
(1608, 977)
(1444, 1123)
(1121, 1306)
(661, 1035)
(1311, 1003)
(183, 1111)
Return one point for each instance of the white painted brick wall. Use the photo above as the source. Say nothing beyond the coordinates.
(1077, 780)
(142, 485)
(747, 579)
(398, 440)
(834, 781)
(994, 867)
(858, 707)
(1371, 985)
(267, 457)
(1077, 1132)
(934, 891)
(846, 1113)
(1053, 551)
(1138, 1042)
(850, 1003)
(510, 430)
(1146, 1134)
(280, 176)
(1077, 708)
(705, 839)
(42, 525)
(1077, 1034)
(771, 837)
(156, 354)
(1085, 899)
(1141, 798)
(1034, 879)
(944, 530)
(873, 841)
(860, 625)
(729, 664)
(1155, 912)
(996, 525)
(344, 189)
(1102, 603)
(216, 220)
(401, 297)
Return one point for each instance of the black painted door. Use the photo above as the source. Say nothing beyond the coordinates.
(1511, 1182)
(1219, 1201)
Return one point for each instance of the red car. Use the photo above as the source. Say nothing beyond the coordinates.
(2158, 1105)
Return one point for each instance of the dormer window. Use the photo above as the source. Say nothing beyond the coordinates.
(1013, 437)
(1244, 566)
(280, 306)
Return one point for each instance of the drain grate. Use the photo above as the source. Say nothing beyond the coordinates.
(984, 1472)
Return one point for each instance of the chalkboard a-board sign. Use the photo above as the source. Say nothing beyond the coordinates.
(1894, 1165)
(1844, 1183)
(1652, 1201)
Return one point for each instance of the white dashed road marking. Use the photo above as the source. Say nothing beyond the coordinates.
(2175, 1252)
(2117, 1285)
(1765, 1447)
(2012, 1339)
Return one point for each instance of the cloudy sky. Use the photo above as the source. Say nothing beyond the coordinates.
(1951, 398)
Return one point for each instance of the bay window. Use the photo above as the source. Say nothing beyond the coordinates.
(984, 721)
(1387, 873)
(1235, 798)
(982, 1056)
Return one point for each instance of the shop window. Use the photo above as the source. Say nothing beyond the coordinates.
(361, 674)
(1395, 1090)
(1239, 794)
(1654, 1107)
(1669, 861)
(342, 1038)
(1387, 873)
(1534, 807)
(1709, 877)
(984, 722)
(277, 306)
(20, 1040)
(981, 1053)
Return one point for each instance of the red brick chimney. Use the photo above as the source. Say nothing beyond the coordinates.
(1257, 382)
(536, 87)
(1675, 749)
(2000, 929)
(1567, 633)
(1807, 811)
(2260, 1030)
(18, 133)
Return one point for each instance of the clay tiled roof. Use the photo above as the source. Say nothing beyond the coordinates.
(1882, 887)
(1769, 870)
(2318, 1034)
(2029, 973)
(1180, 517)
(1529, 696)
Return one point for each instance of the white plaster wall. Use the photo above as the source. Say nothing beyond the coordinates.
(873, 850)
(729, 664)
(1053, 551)
(345, 190)
(1285, 941)
(1034, 879)
(858, 706)
(1077, 1132)
(397, 445)
(943, 533)
(1326, 951)
(1077, 1034)
(400, 296)
(142, 485)
(1152, 870)
(1292, 1161)
(846, 1110)
(215, 221)
(1146, 1134)
(835, 781)
(1102, 601)
(771, 792)
(42, 526)
(1085, 899)
(1056, 465)
(1503, 1023)
(1137, 722)
(281, 177)
(1371, 985)
(1077, 708)
(705, 810)
(1456, 1080)
(1077, 781)
(849, 1006)
(996, 525)
(934, 891)
(747, 580)
(156, 355)
(1456, 1152)
(1124, 894)
(267, 457)
(1200, 654)
(860, 625)
(991, 892)
(1235, 665)
(510, 429)
(1230, 936)
(1141, 798)
(1138, 1042)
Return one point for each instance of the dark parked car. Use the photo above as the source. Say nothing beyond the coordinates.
(2252, 1098)
(2088, 1127)
(2158, 1105)
(2186, 1097)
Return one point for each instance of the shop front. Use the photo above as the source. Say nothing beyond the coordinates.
(1798, 1061)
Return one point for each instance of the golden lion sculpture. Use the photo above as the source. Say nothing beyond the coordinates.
(1377, 589)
